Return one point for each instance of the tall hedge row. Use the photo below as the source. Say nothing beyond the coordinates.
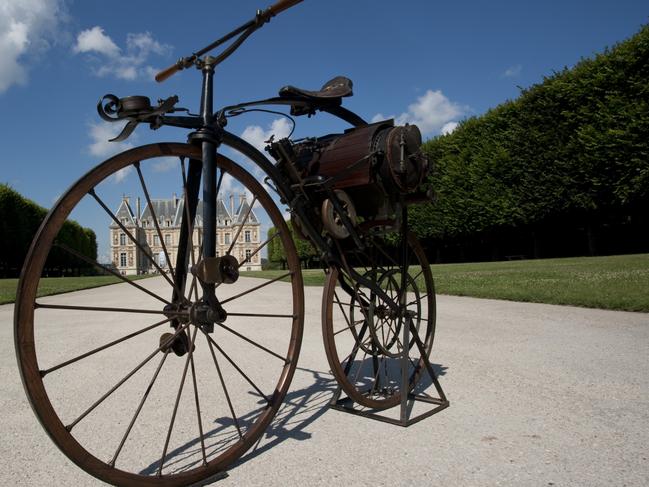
(562, 169)
(19, 221)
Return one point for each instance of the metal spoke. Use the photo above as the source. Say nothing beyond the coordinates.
(126, 377)
(225, 389)
(180, 391)
(266, 242)
(234, 240)
(252, 342)
(267, 283)
(349, 328)
(133, 239)
(155, 219)
(198, 407)
(263, 315)
(116, 310)
(227, 357)
(103, 347)
(109, 270)
(417, 300)
(139, 408)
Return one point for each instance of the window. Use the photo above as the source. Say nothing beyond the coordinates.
(168, 223)
(227, 238)
(156, 240)
(248, 253)
(246, 236)
(123, 221)
(122, 239)
(167, 239)
(122, 259)
(144, 224)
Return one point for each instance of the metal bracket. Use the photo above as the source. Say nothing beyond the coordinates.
(347, 405)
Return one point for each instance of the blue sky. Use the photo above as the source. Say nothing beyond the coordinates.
(425, 62)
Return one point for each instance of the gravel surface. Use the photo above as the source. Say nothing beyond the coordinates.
(540, 395)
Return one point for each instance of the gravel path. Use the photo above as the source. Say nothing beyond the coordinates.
(540, 395)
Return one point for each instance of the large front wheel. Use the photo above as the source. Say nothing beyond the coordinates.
(128, 379)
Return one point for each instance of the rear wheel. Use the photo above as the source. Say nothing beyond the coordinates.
(128, 399)
(363, 333)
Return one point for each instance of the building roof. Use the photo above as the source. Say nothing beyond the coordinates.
(172, 210)
(244, 211)
(124, 212)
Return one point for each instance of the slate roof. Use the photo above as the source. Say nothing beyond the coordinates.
(124, 212)
(242, 211)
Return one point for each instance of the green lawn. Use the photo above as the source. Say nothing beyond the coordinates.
(57, 285)
(618, 282)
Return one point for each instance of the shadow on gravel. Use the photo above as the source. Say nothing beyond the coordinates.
(299, 410)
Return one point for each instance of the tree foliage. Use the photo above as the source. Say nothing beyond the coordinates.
(573, 148)
(305, 251)
(19, 221)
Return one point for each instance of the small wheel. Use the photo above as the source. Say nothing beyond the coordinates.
(127, 398)
(363, 333)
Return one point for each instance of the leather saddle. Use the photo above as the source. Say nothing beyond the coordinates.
(337, 87)
(330, 93)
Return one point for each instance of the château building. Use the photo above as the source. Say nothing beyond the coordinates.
(128, 259)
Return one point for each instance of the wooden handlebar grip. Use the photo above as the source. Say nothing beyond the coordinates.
(282, 5)
(166, 73)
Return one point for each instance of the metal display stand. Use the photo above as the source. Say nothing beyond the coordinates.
(346, 404)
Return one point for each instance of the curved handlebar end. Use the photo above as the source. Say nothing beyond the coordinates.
(166, 73)
(281, 6)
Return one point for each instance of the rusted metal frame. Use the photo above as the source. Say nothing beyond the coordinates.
(225, 389)
(109, 270)
(175, 410)
(283, 189)
(155, 219)
(138, 410)
(332, 107)
(236, 237)
(103, 347)
(133, 239)
(127, 377)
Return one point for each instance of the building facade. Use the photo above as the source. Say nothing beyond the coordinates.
(230, 225)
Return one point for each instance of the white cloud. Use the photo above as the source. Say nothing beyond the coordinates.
(129, 63)
(512, 71)
(27, 27)
(166, 164)
(431, 113)
(100, 133)
(94, 40)
(120, 175)
(257, 136)
(449, 127)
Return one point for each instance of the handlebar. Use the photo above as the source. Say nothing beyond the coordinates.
(243, 32)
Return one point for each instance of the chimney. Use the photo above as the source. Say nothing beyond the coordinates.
(137, 209)
(175, 198)
(232, 206)
(242, 198)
